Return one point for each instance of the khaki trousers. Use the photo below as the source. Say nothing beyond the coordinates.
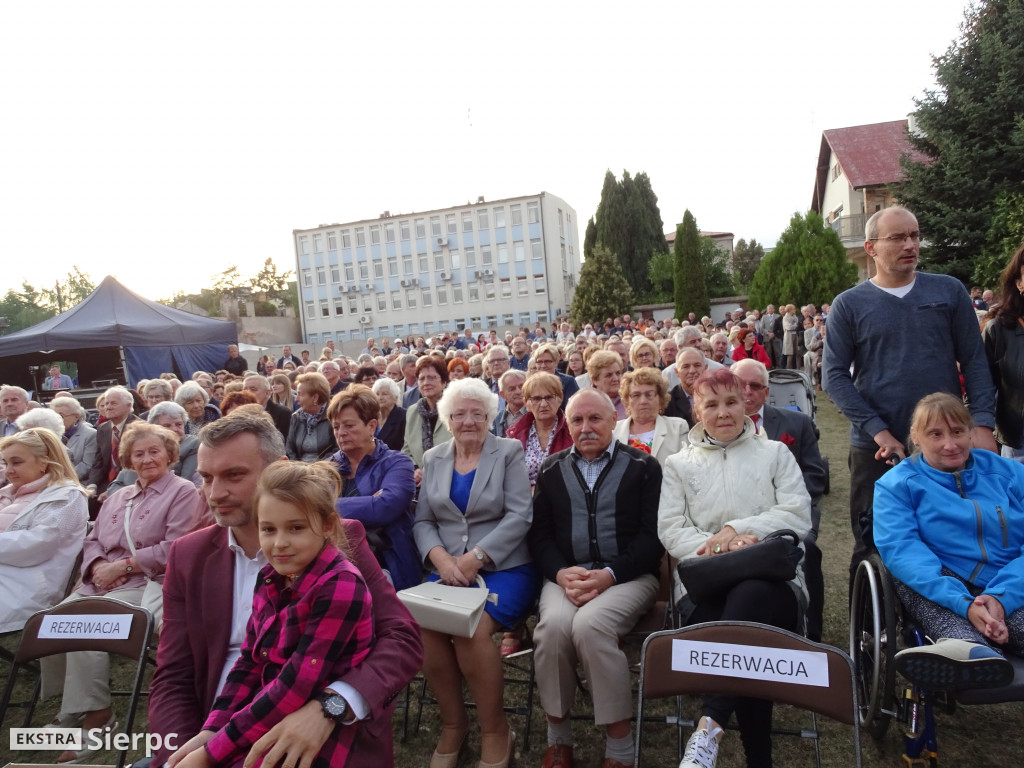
(567, 636)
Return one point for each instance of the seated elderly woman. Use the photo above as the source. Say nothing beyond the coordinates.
(156, 391)
(173, 417)
(949, 526)
(43, 515)
(79, 435)
(232, 400)
(127, 547)
(543, 430)
(727, 488)
(391, 423)
(423, 427)
(366, 375)
(605, 370)
(196, 402)
(643, 353)
(41, 418)
(473, 515)
(310, 437)
(645, 393)
(377, 484)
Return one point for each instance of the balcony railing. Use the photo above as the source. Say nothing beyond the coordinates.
(851, 227)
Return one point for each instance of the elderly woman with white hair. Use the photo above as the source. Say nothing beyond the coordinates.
(79, 435)
(173, 417)
(391, 424)
(473, 516)
(41, 418)
(196, 402)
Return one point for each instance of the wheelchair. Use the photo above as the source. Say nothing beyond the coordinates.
(878, 624)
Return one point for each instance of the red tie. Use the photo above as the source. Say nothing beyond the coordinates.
(115, 442)
(756, 418)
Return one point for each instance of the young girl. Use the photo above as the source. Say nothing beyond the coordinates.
(310, 620)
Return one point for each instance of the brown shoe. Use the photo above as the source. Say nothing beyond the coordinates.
(611, 762)
(557, 756)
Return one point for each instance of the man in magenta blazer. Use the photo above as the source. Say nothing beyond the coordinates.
(200, 611)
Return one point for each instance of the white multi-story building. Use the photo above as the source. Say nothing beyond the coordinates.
(501, 265)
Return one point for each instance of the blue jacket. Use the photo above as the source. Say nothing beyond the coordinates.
(387, 516)
(971, 522)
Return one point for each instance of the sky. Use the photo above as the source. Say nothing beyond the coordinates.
(162, 143)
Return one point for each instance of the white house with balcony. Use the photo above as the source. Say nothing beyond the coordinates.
(858, 174)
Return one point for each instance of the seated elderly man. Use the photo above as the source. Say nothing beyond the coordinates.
(13, 403)
(595, 539)
(690, 364)
(511, 388)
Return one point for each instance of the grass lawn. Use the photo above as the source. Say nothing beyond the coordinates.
(978, 737)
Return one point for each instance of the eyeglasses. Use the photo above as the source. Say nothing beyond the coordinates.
(472, 417)
(428, 377)
(753, 386)
(543, 399)
(900, 238)
(644, 355)
(643, 395)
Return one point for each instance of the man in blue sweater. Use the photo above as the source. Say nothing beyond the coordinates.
(903, 332)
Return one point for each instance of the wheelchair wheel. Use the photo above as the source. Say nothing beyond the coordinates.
(873, 639)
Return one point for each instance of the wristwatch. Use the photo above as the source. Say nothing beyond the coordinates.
(479, 553)
(334, 705)
(128, 567)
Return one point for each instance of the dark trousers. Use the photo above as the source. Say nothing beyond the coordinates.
(865, 470)
(765, 602)
(815, 590)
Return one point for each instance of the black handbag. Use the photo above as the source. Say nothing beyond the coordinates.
(773, 558)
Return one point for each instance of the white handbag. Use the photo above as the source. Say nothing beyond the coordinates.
(153, 594)
(443, 608)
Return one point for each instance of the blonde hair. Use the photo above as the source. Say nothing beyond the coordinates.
(313, 488)
(43, 444)
(939, 407)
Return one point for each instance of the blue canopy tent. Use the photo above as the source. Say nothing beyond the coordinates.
(112, 321)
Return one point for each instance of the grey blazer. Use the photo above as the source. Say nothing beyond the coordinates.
(500, 509)
(82, 448)
(668, 435)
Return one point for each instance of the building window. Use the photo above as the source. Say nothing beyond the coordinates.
(410, 298)
(481, 219)
(325, 309)
(318, 243)
(506, 288)
(364, 271)
(350, 273)
(439, 260)
(392, 266)
(426, 297)
(303, 245)
(503, 253)
(474, 292)
(307, 278)
(346, 239)
(507, 320)
(520, 250)
(449, 221)
(424, 263)
(321, 276)
(516, 212)
(378, 268)
(456, 259)
(407, 265)
(353, 305)
(404, 230)
(457, 294)
(499, 218)
(435, 226)
(524, 319)
(442, 295)
(538, 285)
(360, 236)
(421, 228)
(474, 322)
(491, 320)
(542, 316)
(332, 241)
(467, 221)
(533, 213)
(565, 264)
(375, 235)
(382, 302)
(335, 274)
(470, 258)
(837, 171)
(339, 306)
(310, 310)
(428, 329)
(389, 232)
(367, 303)
(396, 299)
(536, 250)
(524, 289)
(485, 255)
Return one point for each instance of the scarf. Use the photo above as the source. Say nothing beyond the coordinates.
(428, 424)
(312, 419)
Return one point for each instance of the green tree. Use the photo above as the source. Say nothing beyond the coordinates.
(746, 258)
(589, 238)
(68, 292)
(603, 290)
(230, 282)
(23, 309)
(661, 270)
(628, 223)
(715, 264)
(271, 282)
(808, 265)
(971, 133)
(691, 292)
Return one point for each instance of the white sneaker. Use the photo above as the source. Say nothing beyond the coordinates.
(701, 749)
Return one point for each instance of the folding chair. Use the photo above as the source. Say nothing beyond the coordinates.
(727, 651)
(134, 646)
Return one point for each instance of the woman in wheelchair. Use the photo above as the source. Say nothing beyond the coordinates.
(728, 487)
(949, 526)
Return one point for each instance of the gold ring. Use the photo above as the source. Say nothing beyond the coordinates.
(718, 549)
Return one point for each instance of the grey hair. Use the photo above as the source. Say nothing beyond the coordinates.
(188, 390)
(689, 332)
(591, 392)
(718, 335)
(501, 351)
(511, 373)
(408, 359)
(121, 394)
(466, 389)
(18, 390)
(70, 402)
(167, 408)
(757, 365)
(218, 432)
(871, 227)
(388, 384)
(41, 418)
(264, 382)
(161, 384)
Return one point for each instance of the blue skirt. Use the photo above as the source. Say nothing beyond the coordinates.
(516, 589)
